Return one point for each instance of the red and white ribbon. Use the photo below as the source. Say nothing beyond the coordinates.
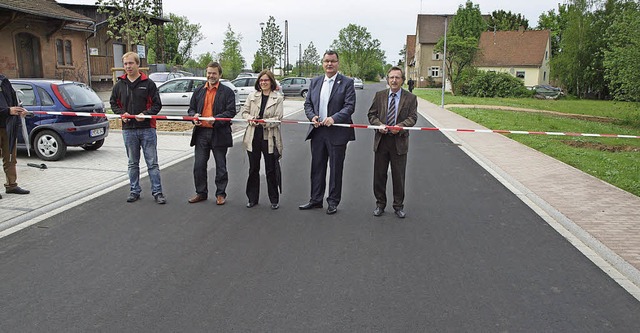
(360, 126)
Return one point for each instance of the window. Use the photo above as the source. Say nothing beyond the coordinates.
(435, 56)
(45, 98)
(544, 76)
(434, 71)
(63, 52)
(520, 74)
(25, 93)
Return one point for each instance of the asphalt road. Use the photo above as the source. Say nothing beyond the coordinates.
(470, 256)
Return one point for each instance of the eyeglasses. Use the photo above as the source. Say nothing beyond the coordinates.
(330, 61)
(264, 80)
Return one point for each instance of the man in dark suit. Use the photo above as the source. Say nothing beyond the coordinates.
(212, 99)
(331, 100)
(391, 107)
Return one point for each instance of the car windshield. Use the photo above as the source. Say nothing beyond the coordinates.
(79, 94)
(159, 77)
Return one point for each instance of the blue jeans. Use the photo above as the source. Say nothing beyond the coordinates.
(144, 138)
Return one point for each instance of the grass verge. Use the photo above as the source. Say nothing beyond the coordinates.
(616, 161)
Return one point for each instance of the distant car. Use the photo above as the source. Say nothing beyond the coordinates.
(175, 94)
(295, 86)
(159, 77)
(357, 83)
(50, 135)
(241, 75)
(547, 92)
(246, 86)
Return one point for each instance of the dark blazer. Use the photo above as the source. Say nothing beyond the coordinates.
(342, 102)
(224, 106)
(407, 117)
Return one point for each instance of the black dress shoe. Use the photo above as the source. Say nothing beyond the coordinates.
(378, 211)
(400, 213)
(251, 204)
(17, 190)
(332, 209)
(310, 205)
(275, 206)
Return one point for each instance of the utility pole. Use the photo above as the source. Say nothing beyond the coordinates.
(286, 47)
(444, 63)
(300, 59)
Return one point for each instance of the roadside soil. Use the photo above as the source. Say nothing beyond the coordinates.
(555, 113)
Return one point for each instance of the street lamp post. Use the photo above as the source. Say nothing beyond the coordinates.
(300, 59)
(444, 63)
(261, 47)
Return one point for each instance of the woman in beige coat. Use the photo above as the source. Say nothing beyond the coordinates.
(263, 138)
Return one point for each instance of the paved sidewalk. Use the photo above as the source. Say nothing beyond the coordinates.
(602, 217)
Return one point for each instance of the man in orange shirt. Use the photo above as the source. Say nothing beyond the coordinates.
(211, 100)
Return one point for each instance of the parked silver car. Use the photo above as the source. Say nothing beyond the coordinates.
(176, 94)
(295, 86)
(246, 86)
(159, 77)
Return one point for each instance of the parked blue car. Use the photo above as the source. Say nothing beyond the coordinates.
(50, 135)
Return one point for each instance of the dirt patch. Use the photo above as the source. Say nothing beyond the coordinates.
(162, 126)
(555, 113)
(174, 126)
(602, 147)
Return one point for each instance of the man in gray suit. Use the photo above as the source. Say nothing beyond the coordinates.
(331, 100)
(392, 107)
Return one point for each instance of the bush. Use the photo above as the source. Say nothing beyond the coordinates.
(492, 84)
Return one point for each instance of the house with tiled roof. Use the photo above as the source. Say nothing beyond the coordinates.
(524, 54)
(425, 66)
(40, 38)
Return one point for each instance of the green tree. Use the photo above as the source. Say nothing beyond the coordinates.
(231, 58)
(402, 54)
(271, 44)
(257, 64)
(556, 23)
(360, 53)
(468, 21)
(462, 42)
(622, 68)
(311, 60)
(506, 21)
(128, 20)
(180, 37)
(573, 66)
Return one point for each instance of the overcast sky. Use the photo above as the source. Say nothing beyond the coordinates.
(320, 21)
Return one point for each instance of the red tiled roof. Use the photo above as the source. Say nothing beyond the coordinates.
(411, 48)
(46, 8)
(512, 48)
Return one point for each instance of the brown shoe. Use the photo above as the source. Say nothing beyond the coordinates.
(220, 200)
(197, 198)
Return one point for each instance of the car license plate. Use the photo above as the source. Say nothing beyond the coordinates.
(96, 132)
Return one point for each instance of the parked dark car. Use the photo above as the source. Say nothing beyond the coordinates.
(50, 135)
(547, 92)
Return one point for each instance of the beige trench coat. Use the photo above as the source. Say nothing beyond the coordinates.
(272, 111)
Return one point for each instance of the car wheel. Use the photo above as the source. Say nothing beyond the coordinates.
(49, 146)
(304, 94)
(93, 145)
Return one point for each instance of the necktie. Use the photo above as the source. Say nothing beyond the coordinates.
(391, 115)
(325, 93)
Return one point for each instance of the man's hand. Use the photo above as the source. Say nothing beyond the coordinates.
(196, 122)
(395, 131)
(315, 121)
(328, 122)
(124, 115)
(18, 111)
(139, 117)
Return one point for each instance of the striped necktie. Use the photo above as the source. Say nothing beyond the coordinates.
(391, 115)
